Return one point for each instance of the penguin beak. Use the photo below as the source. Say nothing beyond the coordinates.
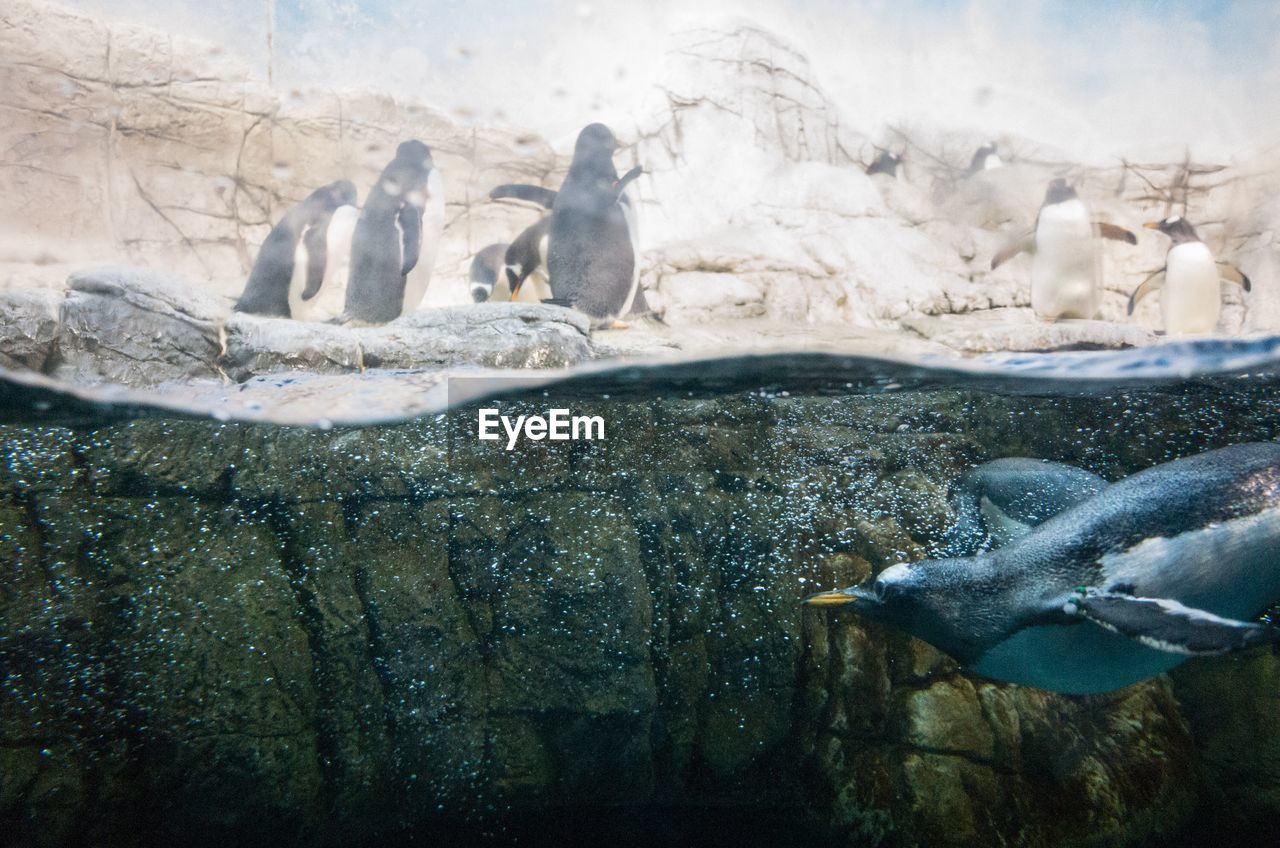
(1152, 225)
(840, 597)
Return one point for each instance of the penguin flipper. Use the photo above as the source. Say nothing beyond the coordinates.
(1152, 282)
(621, 185)
(1167, 625)
(520, 191)
(317, 243)
(1012, 249)
(1235, 275)
(411, 228)
(1110, 231)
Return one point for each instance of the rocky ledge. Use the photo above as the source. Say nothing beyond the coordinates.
(137, 327)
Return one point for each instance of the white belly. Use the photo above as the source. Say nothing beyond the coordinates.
(1064, 270)
(432, 226)
(328, 302)
(1191, 298)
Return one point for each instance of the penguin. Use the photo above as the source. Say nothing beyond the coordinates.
(985, 158)
(396, 238)
(1171, 562)
(1191, 299)
(304, 260)
(1064, 265)
(998, 501)
(885, 163)
(486, 268)
(592, 232)
(526, 263)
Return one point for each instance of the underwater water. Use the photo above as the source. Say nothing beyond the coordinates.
(222, 631)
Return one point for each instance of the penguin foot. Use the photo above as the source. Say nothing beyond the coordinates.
(619, 325)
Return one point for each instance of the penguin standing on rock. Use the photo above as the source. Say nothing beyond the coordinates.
(486, 269)
(591, 240)
(1191, 299)
(394, 246)
(526, 263)
(303, 262)
(1171, 562)
(1064, 264)
(985, 158)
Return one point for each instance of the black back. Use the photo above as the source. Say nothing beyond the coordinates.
(524, 253)
(590, 257)
(388, 236)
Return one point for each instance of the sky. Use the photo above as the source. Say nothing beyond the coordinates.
(1093, 77)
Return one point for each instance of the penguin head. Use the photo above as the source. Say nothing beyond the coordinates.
(923, 599)
(593, 152)
(414, 152)
(1175, 227)
(1059, 191)
(340, 193)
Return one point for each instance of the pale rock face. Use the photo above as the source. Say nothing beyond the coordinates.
(1259, 257)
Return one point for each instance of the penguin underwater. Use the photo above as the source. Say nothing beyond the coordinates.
(1064, 265)
(1167, 563)
(302, 265)
(591, 238)
(1191, 299)
(1000, 500)
(394, 246)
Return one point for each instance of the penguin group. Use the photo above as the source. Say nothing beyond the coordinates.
(1058, 580)
(1066, 266)
(324, 260)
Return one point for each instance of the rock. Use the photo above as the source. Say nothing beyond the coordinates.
(138, 327)
(1019, 330)
(28, 328)
(356, 628)
(495, 335)
(947, 718)
(1234, 711)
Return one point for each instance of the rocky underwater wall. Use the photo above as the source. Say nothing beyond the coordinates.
(228, 632)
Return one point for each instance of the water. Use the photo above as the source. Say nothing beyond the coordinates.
(384, 631)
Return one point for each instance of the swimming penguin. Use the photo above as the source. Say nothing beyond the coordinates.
(394, 246)
(885, 163)
(486, 269)
(1001, 500)
(1171, 562)
(1191, 299)
(985, 158)
(592, 233)
(304, 260)
(1064, 264)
